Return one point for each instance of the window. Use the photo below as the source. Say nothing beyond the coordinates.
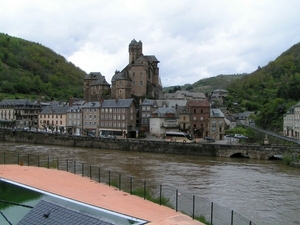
(141, 82)
(195, 110)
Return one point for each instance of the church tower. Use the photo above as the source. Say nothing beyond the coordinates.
(135, 50)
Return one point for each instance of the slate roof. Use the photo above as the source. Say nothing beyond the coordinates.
(94, 104)
(164, 103)
(117, 103)
(120, 76)
(216, 113)
(93, 75)
(60, 109)
(161, 112)
(48, 213)
(15, 102)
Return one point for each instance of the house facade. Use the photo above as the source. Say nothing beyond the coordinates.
(117, 117)
(291, 122)
(23, 112)
(217, 124)
(90, 117)
(199, 117)
(162, 120)
(53, 118)
(74, 119)
(95, 87)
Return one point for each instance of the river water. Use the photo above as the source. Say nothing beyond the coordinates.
(265, 192)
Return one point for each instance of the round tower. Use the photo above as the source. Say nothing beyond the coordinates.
(135, 50)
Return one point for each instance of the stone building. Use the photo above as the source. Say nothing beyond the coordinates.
(53, 118)
(95, 87)
(140, 78)
(23, 112)
(199, 117)
(217, 124)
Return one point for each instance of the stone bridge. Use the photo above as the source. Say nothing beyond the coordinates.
(255, 151)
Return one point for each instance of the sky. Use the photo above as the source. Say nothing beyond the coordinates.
(192, 39)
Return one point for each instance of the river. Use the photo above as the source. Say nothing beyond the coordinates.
(265, 192)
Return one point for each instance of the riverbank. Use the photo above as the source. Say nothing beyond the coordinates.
(87, 191)
(150, 144)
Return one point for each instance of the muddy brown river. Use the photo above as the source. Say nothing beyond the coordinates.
(265, 192)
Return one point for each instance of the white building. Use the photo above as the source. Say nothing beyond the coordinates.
(162, 120)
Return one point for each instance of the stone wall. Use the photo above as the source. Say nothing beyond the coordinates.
(222, 150)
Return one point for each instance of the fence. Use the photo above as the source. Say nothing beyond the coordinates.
(197, 208)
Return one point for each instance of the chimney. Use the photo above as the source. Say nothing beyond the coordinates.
(70, 101)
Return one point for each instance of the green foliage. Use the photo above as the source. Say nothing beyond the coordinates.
(287, 158)
(164, 201)
(270, 90)
(30, 68)
(202, 220)
(207, 85)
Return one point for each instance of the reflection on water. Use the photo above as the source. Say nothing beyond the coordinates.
(15, 202)
(266, 192)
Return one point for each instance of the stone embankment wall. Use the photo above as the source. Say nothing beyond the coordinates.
(203, 149)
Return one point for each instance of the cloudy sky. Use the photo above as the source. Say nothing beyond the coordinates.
(192, 39)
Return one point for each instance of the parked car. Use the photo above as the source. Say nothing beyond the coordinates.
(210, 139)
(240, 136)
(91, 135)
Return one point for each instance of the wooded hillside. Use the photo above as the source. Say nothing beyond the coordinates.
(270, 90)
(32, 70)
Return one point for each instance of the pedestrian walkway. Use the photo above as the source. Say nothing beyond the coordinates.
(88, 191)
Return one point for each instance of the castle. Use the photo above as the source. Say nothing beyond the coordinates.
(139, 79)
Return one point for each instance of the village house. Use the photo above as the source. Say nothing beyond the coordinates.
(118, 117)
(90, 118)
(162, 120)
(199, 117)
(218, 95)
(95, 87)
(289, 122)
(184, 119)
(53, 118)
(149, 105)
(217, 124)
(20, 112)
(74, 117)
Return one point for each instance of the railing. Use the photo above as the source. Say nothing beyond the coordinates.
(198, 208)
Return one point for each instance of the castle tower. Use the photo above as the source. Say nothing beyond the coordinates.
(135, 50)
